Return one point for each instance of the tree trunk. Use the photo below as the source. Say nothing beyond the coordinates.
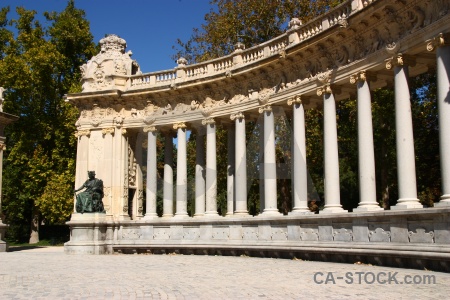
(34, 236)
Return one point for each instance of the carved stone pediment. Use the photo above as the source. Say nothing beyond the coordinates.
(104, 71)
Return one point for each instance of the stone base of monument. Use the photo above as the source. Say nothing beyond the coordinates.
(3, 244)
(418, 238)
(90, 233)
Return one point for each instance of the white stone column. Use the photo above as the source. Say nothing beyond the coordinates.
(231, 173)
(168, 176)
(181, 197)
(152, 175)
(138, 209)
(211, 167)
(82, 159)
(123, 173)
(200, 172)
(261, 165)
(406, 166)
(300, 172)
(366, 156)
(442, 45)
(270, 168)
(331, 158)
(241, 165)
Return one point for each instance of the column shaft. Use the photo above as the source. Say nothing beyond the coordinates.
(181, 209)
(366, 156)
(211, 170)
(241, 168)
(151, 189)
(200, 174)
(168, 177)
(300, 173)
(261, 165)
(270, 168)
(331, 158)
(406, 167)
(231, 173)
(443, 99)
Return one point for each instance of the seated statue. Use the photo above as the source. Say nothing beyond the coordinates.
(90, 201)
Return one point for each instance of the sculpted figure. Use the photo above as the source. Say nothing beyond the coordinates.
(90, 200)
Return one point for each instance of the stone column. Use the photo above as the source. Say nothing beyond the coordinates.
(181, 197)
(366, 156)
(152, 175)
(123, 174)
(261, 165)
(406, 166)
(211, 167)
(331, 158)
(82, 159)
(2, 148)
(200, 171)
(270, 168)
(231, 170)
(168, 176)
(300, 172)
(241, 165)
(442, 45)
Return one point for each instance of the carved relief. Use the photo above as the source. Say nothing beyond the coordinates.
(309, 234)
(421, 236)
(221, 233)
(379, 235)
(140, 200)
(279, 233)
(342, 235)
(131, 234)
(249, 233)
(161, 233)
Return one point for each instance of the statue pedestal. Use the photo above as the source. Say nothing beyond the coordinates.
(3, 244)
(90, 233)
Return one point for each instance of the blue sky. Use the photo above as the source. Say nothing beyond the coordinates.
(150, 27)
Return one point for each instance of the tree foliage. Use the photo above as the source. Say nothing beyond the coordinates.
(39, 66)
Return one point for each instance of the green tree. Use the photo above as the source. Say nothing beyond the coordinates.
(39, 66)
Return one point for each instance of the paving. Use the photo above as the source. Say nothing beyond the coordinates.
(48, 273)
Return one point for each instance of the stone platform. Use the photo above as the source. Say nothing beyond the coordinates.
(3, 244)
(413, 238)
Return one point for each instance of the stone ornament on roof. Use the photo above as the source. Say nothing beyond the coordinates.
(108, 69)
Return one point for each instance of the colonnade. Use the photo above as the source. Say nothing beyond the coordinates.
(206, 170)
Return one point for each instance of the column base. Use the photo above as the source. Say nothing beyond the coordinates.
(300, 211)
(332, 210)
(166, 216)
(271, 211)
(241, 214)
(181, 215)
(150, 216)
(199, 215)
(407, 203)
(368, 207)
(211, 214)
(444, 202)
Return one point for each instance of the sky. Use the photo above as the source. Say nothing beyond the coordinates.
(150, 27)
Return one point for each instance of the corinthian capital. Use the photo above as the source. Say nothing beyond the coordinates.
(86, 132)
(149, 129)
(438, 41)
(106, 131)
(326, 89)
(208, 121)
(179, 125)
(399, 60)
(362, 76)
(295, 100)
(238, 115)
(265, 108)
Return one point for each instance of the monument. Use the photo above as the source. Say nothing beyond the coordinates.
(90, 201)
(5, 119)
(348, 51)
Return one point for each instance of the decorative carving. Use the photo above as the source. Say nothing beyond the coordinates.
(294, 23)
(342, 235)
(106, 131)
(295, 100)
(265, 108)
(140, 200)
(208, 121)
(399, 60)
(439, 41)
(361, 76)
(379, 235)
(131, 234)
(264, 95)
(326, 89)
(80, 133)
(118, 120)
(124, 131)
(250, 233)
(180, 125)
(279, 234)
(150, 129)
(238, 115)
(309, 234)
(421, 236)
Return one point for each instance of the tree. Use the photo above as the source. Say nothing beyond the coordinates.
(39, 66)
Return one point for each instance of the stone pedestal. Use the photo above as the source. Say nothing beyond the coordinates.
(3, 244)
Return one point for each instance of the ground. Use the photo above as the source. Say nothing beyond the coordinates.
(48, 273)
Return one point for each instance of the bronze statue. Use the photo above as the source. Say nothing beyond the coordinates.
(90, 201)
